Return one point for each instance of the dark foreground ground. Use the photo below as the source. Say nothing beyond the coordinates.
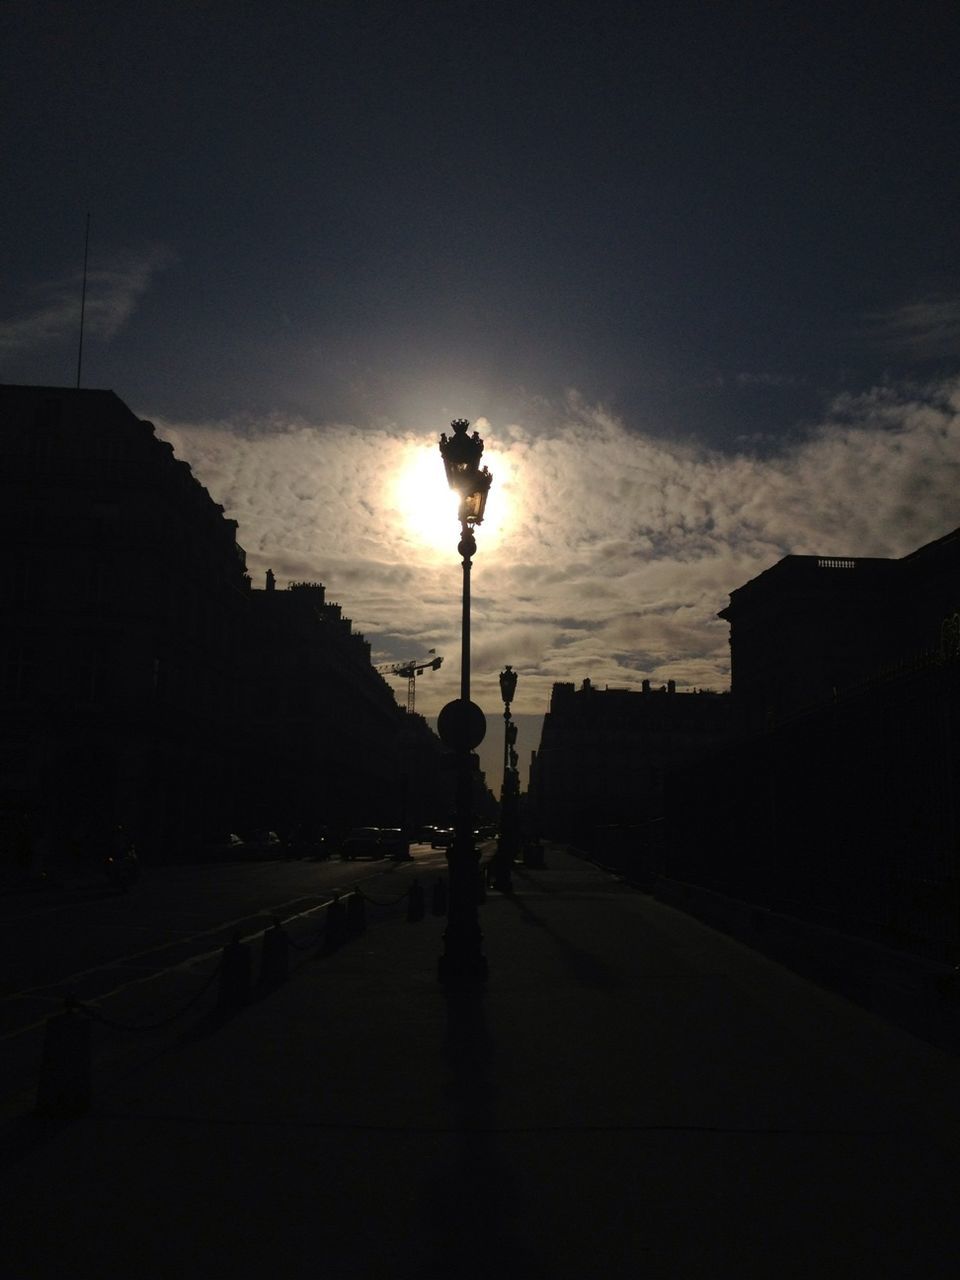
(635, 1095)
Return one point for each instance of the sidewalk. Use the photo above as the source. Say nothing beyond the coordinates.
(635, 1095)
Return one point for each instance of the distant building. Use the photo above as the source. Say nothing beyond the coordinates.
(604, 752)
(330, 745)
(812, 626)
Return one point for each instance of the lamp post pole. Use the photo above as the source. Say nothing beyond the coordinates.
(467, 547)
(509, 797)
(462, 726)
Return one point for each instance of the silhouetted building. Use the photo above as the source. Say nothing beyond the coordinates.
(812, 626)
(838, 802)
(144, 683)
(330, 739)
(120, 617)
(604, 752)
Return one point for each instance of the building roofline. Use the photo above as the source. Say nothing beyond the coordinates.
(952, 536)
(59, 391)
(793, 567)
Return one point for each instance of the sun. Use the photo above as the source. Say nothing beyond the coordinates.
(427, 506)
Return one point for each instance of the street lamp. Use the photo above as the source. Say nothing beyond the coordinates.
(462, 726)
(510, 789)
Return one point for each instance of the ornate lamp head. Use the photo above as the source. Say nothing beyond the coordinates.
(461, 457)
(508, 684)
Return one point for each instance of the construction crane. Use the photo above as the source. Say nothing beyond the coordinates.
(410, 670)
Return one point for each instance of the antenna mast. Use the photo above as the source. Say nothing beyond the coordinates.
(83, 298)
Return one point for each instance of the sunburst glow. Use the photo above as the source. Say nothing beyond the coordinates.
(428, 508)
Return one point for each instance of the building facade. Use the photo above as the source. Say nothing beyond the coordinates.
(330, 745)
(813, 626)
(121, 615)
(145, 684)
(839, 799)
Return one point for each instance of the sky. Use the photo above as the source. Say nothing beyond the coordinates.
(691, 269)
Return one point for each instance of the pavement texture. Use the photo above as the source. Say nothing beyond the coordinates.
(633, 1095)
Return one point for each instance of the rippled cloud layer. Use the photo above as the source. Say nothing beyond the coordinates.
(606, 553)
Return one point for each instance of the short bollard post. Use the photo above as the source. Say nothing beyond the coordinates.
(274, 956)
(356, 915)
(235, 982)
(533, 855)
(64, 1087)
(439, 903)
(334, 926)
(415, 905)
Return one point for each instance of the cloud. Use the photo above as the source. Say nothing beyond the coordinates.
(114, 289)
(606, 554)
(926, 329)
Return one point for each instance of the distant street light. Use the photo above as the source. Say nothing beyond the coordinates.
(462, 727)
(509, 791)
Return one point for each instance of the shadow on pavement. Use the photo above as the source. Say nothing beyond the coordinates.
(583, 965)
(473, 1200)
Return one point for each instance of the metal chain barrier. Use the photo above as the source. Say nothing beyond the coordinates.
(375, 902)
(300, 946)
(71, 1003)
(66, 1067)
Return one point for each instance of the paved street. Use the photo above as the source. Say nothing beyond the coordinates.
(635, 1095)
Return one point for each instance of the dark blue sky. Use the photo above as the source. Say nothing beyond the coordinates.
(711, 218)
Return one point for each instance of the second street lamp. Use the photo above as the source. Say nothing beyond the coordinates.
(509, 791)
(462, 727)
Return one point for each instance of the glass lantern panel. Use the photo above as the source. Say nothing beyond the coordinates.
(473, 504)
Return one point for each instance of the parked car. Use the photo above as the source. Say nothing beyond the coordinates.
(263, 844)
(361, 842)
(394, 844)
(225, 850)
(309, 842)
(442, 838)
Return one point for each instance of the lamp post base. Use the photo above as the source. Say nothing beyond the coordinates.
(502, 883)
(509, 840)
(502, 863)
(462, 973)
